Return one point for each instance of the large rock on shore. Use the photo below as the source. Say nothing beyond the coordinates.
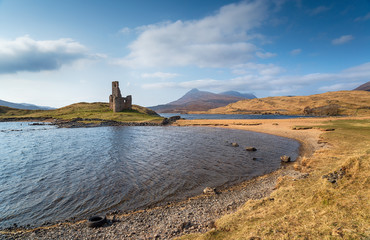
(285, 158)
(209, 190)
(170, 120)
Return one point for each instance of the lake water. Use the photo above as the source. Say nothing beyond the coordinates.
(230, 116)
(50, 174)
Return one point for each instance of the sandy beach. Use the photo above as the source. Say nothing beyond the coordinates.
(199, 213)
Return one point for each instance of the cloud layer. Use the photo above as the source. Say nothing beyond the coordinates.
(219, 40)
(269, 77)
(160, 75)
(26, 54)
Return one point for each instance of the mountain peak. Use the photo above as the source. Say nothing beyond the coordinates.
(238, 94)
(194, 90)
(196, 100)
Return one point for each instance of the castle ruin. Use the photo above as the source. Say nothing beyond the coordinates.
(118, 103)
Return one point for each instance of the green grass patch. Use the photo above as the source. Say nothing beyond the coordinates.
(86, 111)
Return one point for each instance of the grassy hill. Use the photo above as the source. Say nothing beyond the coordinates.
(83, 110)
(330, 103)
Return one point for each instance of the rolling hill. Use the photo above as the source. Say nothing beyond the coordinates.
(24, 106)
(196, 100)
(330, 103)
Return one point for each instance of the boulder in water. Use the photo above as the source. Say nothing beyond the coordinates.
(251, 149)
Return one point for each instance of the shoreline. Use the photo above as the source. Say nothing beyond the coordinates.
(279, 127)
(197, 214)
(89, 122)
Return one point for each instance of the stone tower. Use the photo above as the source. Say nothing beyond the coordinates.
(118, 103)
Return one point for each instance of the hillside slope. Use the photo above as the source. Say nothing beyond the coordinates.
(330, 103)
(363, 87)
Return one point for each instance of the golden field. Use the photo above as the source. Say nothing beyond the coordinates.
(312, 207)
(348, 103)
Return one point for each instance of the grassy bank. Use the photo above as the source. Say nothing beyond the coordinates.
(331, 203)
(85, 111)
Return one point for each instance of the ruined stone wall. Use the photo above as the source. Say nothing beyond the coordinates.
(115, 89)
(118, 103)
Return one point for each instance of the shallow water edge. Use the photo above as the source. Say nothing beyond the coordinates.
(232, 151)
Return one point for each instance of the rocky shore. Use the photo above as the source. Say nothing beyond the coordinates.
(197, 214)
(89, 122)
(83, 123)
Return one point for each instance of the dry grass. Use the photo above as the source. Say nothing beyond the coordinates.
(313, 208)
(355, 103)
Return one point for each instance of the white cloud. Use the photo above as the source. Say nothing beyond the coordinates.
(339, 87)
(343, 39)
(296, 51)
(26, 54)
(363, 18)
(358, 72)
(265, 55)
(219, 40)
(268, 77)
(161, 75)
(255, 68)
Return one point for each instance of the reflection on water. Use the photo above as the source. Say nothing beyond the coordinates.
(49, 174)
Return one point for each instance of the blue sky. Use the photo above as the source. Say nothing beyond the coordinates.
(57, 53)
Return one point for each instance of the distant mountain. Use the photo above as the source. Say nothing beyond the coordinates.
(24, 106)
(363, 87)
(196, 100)
(238, 94)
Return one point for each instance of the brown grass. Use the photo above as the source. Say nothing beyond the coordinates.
(311, 208)
(354, 103)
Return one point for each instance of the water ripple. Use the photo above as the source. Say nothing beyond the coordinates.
(49, 174)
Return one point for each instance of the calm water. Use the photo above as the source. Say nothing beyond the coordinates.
(229, 116)
(49, 174)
